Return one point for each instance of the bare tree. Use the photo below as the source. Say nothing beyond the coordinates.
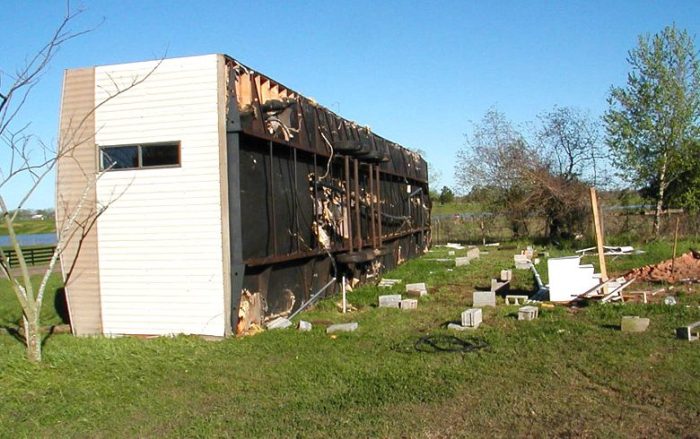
(30, 157)
(570, 140)
(493, 159)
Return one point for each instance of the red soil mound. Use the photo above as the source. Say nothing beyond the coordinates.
(686, 267)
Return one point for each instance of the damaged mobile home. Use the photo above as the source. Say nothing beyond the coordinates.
(224, 198)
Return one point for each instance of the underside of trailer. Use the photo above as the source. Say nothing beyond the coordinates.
(312, 197)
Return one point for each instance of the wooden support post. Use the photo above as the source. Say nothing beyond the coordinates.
(598, 236)
(675, 246)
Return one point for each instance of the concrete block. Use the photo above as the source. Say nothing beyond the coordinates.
(461, 261)
(506, 275)
(279, 323)
(304, 326)
(417, 289)
(521, 262)
(456, 327)
(387, 283)
(528, 313)
(483, 298)
(408, 304)
(473, 253)
(472, 317)
(499, 287)
(690, 332)
(342, 327)
(516, 299)
(389, 301)
(634, 324)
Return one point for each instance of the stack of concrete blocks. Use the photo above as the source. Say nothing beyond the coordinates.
(528, 313)
(521, 262)
(634, 324)
(481, 299)
(417, 289)
(690, 332)
(568, 279)
(388, 283)
(408, 304)
(390, 301)
(471, 319)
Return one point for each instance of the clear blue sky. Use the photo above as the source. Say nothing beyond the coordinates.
(417, 72)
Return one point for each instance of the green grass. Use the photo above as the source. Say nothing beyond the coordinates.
(28, 227)
(565, 374)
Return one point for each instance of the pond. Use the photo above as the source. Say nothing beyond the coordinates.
(30, 240)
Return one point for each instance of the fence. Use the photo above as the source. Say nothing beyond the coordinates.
(32, 255)
(619, 227)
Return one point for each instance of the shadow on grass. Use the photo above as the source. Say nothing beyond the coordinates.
(611, 327)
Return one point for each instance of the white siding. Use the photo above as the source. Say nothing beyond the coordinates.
(160, 243)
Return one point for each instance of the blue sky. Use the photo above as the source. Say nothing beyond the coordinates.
(417, 72)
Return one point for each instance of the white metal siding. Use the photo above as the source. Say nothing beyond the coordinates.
(160, 243)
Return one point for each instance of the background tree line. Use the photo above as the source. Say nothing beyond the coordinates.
(649, 136)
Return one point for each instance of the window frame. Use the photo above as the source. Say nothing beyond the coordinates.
(139, 154)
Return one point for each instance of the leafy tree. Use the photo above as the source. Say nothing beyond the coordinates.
(446, 195)
(652, 123)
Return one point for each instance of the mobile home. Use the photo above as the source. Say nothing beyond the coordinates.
(205, 197)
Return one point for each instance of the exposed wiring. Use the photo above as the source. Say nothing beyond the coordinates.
(328, 165)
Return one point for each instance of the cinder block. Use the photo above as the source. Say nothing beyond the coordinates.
(279, 323)
(387, 283)
(516, 298)
(408, 304)
(483, 298)
(342, 327)
(389, 301)
(506, 275)
(472, 317)
(634, 324)
(456, 327)
(304, 326)
(461, 261)
(417, 289)
(528, 313)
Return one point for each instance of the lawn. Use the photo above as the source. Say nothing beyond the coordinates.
(29, 227)
(569, 373)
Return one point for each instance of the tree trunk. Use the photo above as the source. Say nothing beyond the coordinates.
(660, 198)
(33, 338)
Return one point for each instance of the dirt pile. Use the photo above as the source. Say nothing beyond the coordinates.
(686, 268)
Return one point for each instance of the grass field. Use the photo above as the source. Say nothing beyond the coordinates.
(571, 373)
(28, 227)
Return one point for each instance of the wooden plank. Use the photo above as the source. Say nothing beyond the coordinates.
(598, 235)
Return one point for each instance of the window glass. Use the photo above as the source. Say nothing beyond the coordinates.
(120, 157)
(160, 155)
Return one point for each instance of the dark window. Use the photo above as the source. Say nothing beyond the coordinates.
(120, 157)
(149, 155)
